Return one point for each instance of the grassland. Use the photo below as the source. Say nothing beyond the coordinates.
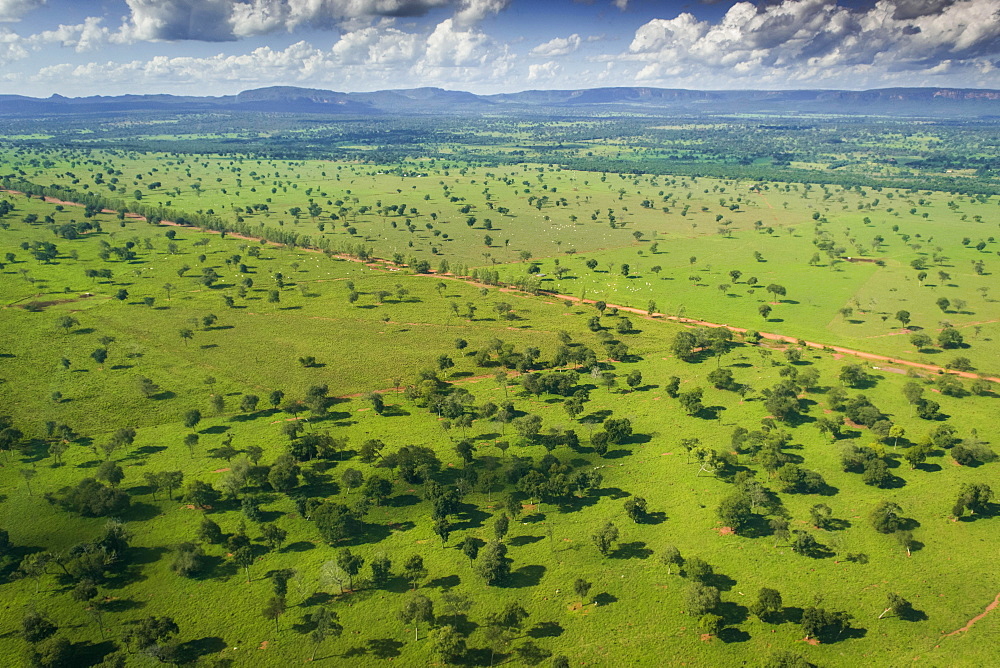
(635, 613)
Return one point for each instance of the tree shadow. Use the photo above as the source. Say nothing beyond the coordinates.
(461, 622)
(526, 576)
(192, 650)
(384, 648)
(519, 541)
(401, 501)
(145, 555)
(604, 598)
(299, 546)
(911, 614)
(720, 581)
(117, 605)
(618, 454)
(316, 598)
(87, 653)
(471, 517)
(139, 511)
(633, 550)
(730, 635)
(545, 630)
(837, 524)
(732, 613)
(444, 583)
(146, 450)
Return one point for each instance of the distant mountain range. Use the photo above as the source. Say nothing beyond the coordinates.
(938, 102)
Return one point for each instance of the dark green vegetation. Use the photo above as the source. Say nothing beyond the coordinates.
(240, 453)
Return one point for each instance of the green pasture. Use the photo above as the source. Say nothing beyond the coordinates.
(634, 605)
(401, 323)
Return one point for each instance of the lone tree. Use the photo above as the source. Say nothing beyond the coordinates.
(582, 587)
(671, 557)
(896, 605)
(605, 538)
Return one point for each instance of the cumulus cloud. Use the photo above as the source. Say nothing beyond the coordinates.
(225, 20)
(15, 10)
(451, 46)
(86, 36)
(817, 40)
(543, 71)
(373, 57)
(559, 46)
(474, 11)
(12, 47)
(377, 47)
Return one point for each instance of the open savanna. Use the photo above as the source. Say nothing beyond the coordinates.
(702, 227)
(635, 612)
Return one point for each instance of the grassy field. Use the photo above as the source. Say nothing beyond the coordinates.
(766, 231)
(635, 613)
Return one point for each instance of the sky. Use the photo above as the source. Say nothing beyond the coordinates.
(220, 47)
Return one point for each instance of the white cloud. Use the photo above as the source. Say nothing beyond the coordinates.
(15, 10)
(225, 20)
(11, 47)
(474, 11)
(543, 71)
(372, 46)
(449, 46)
(374, 57)
(559, 46)
(816, 41)
(86, 36)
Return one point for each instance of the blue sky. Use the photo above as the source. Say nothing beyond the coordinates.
(217, 47)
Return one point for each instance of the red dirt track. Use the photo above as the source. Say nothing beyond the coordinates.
(379, 263)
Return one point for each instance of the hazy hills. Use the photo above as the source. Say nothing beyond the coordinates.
(947, 102)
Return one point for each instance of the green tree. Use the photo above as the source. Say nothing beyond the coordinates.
(886, 517)
(418, 609)
(274, 609)
(414, 570)
(605, 538)
(448, 644)
(671, 557)
(350, 563)
(493, 564)
(326, 624)
(582, 587)
(768, 604)
(701, 599)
